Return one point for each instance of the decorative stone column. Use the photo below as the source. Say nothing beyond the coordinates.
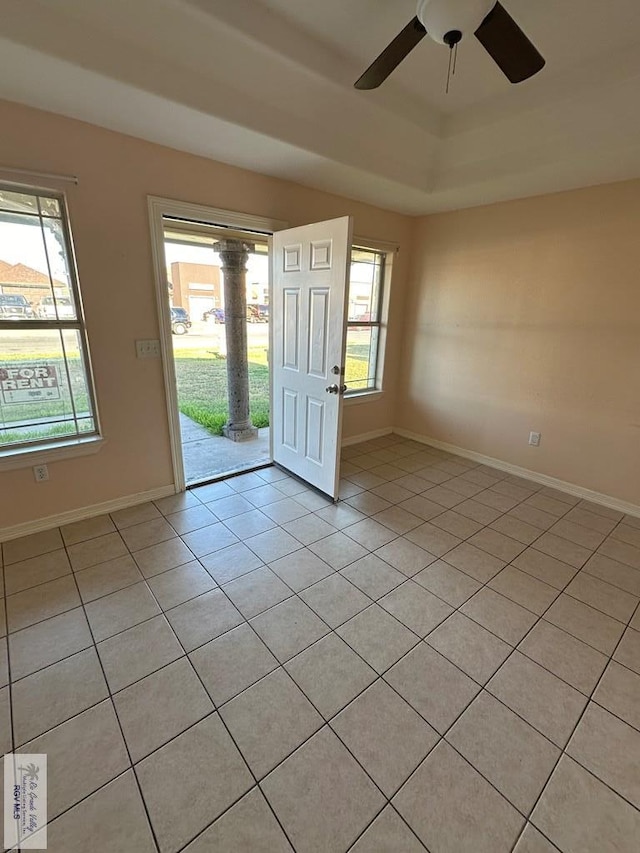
(234, 254)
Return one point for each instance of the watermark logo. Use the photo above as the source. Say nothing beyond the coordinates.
(25, 801)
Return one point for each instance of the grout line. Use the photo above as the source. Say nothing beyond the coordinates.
(9, 685)
(329, 565)
(132, 554)
(337, 571)
(224, 724)
(573, 731)
(325, 721)
(390, 805)
(115, 711)
(380, 676)
(281, 666)
(216, 711)
(109, 697)
(502, 664)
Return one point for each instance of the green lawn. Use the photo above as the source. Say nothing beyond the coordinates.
(202, 388)
(17, 413)
(202, 385)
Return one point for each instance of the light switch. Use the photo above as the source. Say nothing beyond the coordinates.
(148, 349)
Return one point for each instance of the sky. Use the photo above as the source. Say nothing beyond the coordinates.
(20, 244)
(257, 265)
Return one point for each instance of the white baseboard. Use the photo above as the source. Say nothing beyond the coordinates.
(525, 473)
(24, 529)
(50, 521)
(367, 436)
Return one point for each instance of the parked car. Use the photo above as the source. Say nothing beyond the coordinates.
(56, 309)
(14, 306)
(180, 322)
(215, 314)
(258, 313)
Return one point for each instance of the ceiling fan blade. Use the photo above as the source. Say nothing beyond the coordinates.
(392, 55)
(508, 46)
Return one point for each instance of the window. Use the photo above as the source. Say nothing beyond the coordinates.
(46, 396)
(364, 319)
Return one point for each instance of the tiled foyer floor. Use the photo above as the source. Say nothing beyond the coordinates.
(447, 660)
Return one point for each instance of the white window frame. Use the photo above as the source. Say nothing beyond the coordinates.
(40, 451)
(389, 250)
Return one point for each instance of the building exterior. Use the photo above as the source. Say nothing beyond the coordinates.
(199, 288)
(196, 287)
(19, 279)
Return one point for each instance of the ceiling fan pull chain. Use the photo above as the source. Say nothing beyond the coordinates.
(449, 72)
(455, 59)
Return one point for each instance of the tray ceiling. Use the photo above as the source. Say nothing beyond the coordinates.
(268, 85)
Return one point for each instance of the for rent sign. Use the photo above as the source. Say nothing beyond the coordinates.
(25, 383)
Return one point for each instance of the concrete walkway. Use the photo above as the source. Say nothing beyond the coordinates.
(207, 456)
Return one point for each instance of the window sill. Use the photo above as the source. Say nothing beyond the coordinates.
(44, 453)
(359, 397)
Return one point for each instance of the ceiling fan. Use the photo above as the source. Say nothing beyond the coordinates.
(450, 21)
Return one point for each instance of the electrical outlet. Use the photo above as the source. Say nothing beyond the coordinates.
(148, 349)
(41, 473)
(534, 439)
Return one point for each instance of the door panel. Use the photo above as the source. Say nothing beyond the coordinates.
(314, 437)
(290, 419)
(309, 295)
(318, 332)
(291, 337)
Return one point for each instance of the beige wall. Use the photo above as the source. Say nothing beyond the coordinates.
(110, 225)
(520, 316)
(526, 316)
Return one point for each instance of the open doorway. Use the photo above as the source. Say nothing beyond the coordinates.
(197, 224)
(203, 339)
(299, 332)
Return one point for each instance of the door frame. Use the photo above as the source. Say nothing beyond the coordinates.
(159, 208)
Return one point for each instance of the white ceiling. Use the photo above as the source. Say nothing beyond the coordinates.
(268, 85)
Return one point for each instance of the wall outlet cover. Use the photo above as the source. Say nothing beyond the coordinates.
(40, 473)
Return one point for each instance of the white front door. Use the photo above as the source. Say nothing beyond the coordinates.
(310, 271)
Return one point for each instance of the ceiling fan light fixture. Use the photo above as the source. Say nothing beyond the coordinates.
(440, 18)
(448, 22)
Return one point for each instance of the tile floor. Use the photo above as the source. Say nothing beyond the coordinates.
(447, 660)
